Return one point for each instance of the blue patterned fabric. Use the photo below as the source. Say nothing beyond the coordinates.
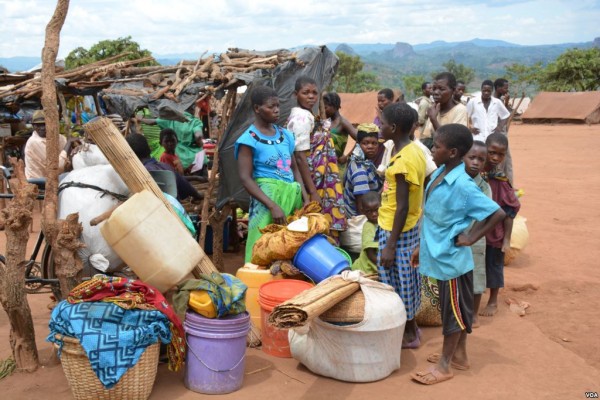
(405, 279)
(113, 338)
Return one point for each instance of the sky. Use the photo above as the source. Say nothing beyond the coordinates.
(183, 26)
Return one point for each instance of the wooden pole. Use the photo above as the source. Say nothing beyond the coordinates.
(514, 111)
(215, 167)
(68, 267)
(65, 113)
(16, 219)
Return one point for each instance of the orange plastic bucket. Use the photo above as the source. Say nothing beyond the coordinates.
(275, 341)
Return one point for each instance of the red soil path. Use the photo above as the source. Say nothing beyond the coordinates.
(553, 352)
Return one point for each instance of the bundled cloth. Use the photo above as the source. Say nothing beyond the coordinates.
(280, 243)
(133, 294)
(114, 338)
(226, 292)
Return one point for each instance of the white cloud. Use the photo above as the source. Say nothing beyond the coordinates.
(177, 26)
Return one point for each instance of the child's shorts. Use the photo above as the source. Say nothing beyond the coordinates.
(494, 267)
(456, 299)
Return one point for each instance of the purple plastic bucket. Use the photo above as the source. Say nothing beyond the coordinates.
(216, 352)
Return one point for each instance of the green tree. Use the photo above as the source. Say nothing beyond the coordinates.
(524, 78)
(350, 77)
(574, 70)
(412, 85)
(460, 71)
(105, 49)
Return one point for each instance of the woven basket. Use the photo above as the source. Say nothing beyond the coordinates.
(135, 384)
(350, 310)
(430, 312)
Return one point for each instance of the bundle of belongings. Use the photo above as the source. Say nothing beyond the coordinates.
(225, 292)
(115, 319)
(280, 242)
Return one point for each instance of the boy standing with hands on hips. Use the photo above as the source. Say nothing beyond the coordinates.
(453, 200)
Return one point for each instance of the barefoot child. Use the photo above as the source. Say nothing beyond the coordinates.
(400, 213)
(369, 207)
(498, 239)
(474, 163)
(452, 202)
(267, 167)
(315, 155)
(168, 140)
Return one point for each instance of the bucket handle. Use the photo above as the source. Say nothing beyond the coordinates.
(213, 369)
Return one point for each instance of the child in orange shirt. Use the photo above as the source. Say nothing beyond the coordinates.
(168, 140)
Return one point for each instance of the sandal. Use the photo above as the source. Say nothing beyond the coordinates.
(438, 377)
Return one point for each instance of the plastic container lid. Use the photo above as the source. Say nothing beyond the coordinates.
(276, 292)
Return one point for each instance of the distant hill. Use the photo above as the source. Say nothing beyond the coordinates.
(489, 58)
(392, 61)
(17, 64)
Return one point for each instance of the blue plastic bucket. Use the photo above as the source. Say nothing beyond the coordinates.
(318, 259)
(216, 353)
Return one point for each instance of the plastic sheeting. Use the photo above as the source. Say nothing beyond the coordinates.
(126, 106)
(319, 63)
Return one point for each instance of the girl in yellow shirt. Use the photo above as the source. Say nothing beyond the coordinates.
(400, 213)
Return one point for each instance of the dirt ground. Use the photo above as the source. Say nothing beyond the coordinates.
(553, 352)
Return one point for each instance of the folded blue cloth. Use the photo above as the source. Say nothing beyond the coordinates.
(113, 338)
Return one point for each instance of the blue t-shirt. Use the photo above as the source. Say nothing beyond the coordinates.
(449, 210)
(272, 155)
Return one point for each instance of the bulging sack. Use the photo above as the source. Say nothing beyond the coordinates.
(90, 203)
(364, 352)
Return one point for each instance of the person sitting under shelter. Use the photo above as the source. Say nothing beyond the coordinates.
(35, 149)
(140, 147)
(186, 128)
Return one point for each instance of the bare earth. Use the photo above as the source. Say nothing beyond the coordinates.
(553, 352)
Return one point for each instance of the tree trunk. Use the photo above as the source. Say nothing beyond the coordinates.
(16, 219)
(217, 222)
(64, 251)
(63, 235)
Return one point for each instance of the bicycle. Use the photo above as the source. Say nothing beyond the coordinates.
(38, 274)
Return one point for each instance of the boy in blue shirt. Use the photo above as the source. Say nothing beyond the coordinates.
(453, 201)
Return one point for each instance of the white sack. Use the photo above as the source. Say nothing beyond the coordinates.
(90, 203)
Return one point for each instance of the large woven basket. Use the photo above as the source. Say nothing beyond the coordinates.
(135, 384)
(351, 310)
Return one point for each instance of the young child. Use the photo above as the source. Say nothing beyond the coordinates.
(474, 163)
(452, 202)
(498, 239)
(315, 155)
(367, 261)
(399, 214)
(198, 167)
(168, 140)
(267, 167)
(361, 177)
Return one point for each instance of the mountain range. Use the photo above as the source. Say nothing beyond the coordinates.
(391, 61)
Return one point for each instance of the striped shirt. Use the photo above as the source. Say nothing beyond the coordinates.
(361, 177)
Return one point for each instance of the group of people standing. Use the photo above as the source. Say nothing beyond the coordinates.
(427, 183)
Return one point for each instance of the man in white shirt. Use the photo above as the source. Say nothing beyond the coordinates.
(35, 149)
(486, 113)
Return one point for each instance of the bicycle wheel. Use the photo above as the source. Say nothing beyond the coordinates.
(49, 272)
(35, 272)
